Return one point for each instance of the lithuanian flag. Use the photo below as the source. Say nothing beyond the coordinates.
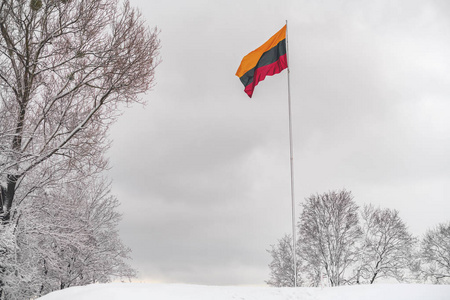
(267, 60)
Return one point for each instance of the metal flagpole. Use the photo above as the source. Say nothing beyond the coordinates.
(291, 150)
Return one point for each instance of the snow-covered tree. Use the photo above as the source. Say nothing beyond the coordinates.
(329, 231)
(65, 69)
(67, 236)
(386, 246)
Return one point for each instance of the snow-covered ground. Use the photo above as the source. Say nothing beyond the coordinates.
(138, 291)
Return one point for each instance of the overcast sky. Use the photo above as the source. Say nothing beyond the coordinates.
(202, 171)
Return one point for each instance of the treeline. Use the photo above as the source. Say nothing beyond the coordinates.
(340, 243)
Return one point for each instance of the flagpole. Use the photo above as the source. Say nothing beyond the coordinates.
(291, 151)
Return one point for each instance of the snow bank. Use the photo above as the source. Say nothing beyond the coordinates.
(138, 291)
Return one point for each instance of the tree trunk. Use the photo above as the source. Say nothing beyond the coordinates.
(373, 277)
(8, 198)
(375, 274)
(11, 179)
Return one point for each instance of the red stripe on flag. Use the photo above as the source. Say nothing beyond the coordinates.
(268, 70)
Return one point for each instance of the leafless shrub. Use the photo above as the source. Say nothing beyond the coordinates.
(282, 265)
(434, 255)
(386, 247)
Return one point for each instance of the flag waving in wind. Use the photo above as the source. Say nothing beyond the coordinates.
(267, 60)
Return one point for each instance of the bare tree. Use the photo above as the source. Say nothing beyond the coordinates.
(65, 68)
(386, 246)
(434, 260)
(329, 231)
(282, 264)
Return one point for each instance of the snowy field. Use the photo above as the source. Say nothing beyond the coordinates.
(141, 291)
